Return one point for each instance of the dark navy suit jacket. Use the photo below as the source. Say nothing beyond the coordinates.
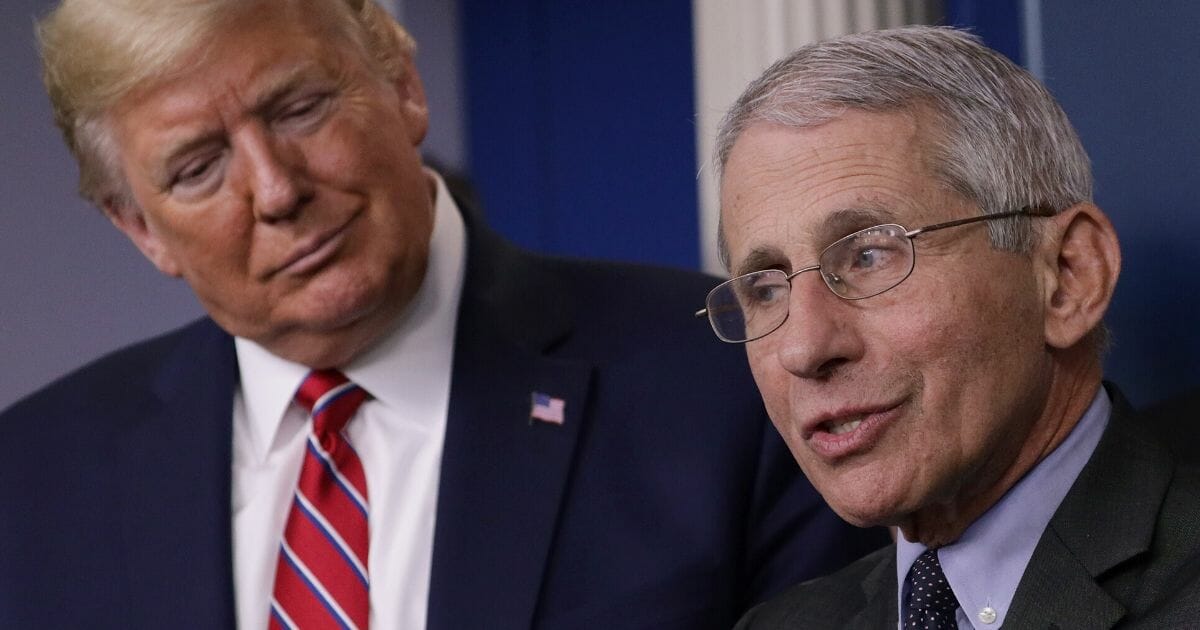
(665, 499)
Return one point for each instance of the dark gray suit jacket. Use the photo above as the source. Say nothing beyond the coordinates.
(1123, 550)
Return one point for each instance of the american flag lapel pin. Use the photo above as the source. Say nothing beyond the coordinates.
(547, 408)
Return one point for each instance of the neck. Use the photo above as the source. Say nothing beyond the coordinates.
(1071, 390)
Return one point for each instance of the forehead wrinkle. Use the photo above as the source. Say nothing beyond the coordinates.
(776, 177)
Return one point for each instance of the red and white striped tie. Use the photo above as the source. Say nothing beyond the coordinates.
(321, 576)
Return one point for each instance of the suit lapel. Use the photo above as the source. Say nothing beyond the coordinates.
(879, 595)
(503, 473)
(174, 464)
(1106, 519)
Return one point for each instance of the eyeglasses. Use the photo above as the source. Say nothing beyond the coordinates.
(858, 266)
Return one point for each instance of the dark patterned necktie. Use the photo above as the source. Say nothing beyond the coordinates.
(321, 575)
(931, 603)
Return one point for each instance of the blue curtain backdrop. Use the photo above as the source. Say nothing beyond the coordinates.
(998, 22)
(1128, 75)
(580, 125)
(582, 141)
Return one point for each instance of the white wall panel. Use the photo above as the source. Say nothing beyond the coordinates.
(736, 40)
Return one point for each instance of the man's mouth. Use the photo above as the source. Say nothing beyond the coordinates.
(850, 431)
(839, 428)
(313, 251)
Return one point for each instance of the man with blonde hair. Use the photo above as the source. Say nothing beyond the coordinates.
(391, 417)
(920, 277)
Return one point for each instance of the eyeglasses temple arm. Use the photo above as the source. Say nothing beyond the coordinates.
(1032, 211)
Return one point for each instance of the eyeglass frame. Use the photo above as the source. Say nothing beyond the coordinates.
(1027, 211)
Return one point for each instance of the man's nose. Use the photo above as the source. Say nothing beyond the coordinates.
(277, 184)
(820, 334)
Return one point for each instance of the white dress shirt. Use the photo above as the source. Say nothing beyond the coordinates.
(398, 434)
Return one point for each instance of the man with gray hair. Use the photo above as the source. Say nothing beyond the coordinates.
(392, 417)
(939, 370)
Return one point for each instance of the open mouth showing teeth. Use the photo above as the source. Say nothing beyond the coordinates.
(845, 427)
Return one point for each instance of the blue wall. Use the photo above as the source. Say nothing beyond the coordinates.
(582, 141)
(998, 22)
(580, 125)
(1128, 75)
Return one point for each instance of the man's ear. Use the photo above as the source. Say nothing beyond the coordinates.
(413, 107)
(1083, 260)
(128, 218)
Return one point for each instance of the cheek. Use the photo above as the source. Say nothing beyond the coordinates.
(765, 370)
(361, 141)
(210, 242)
(976, 354)
(774, 384)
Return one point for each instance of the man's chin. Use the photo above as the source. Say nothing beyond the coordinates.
(316, 337)
(868, 511)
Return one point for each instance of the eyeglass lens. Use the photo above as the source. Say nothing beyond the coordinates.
(857, 266)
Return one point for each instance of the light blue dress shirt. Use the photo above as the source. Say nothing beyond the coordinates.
(985, 565)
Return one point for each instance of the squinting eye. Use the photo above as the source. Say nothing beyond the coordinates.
(759, 291)
(195, 173)
(304, 110)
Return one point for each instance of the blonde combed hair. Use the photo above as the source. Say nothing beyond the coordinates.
(96, 52)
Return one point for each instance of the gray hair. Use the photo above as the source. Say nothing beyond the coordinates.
(1005, 142)
(95, 52)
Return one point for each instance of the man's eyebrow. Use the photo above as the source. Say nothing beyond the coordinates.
(174, 150)
(265, 96)
(280, 84)
(846, 221)
(837, 224)
(758, 259)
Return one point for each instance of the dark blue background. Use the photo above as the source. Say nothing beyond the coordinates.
(1128, 75)
(582, 140)
(581, 125)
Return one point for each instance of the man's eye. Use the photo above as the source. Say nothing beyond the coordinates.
(872, 257)
(763, 292)
(197, 175)
(866, 258)
(304, 110)
(194, 172)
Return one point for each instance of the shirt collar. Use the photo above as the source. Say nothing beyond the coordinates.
(985, 565)
(400, 369)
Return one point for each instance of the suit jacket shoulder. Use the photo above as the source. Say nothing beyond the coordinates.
(119, 378)
(1122, 547)
(120, 487)
(860, 596)
(1177, 421)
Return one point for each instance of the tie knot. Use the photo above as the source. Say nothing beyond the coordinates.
(931, 601)
(331, 398)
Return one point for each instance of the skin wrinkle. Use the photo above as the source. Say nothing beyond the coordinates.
(824, 166)
(183, 140)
